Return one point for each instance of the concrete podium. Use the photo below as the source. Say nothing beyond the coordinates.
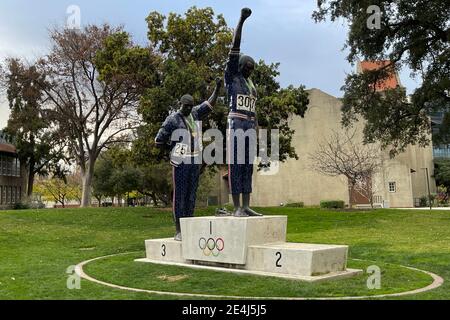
(253, 245)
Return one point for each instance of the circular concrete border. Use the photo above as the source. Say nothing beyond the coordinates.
(437, 282)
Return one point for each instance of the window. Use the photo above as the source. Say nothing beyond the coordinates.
(392, 187)
(13, 195)
(4, 201)
(8, 195)
(9, 166)
(1, 194)
(14, 167)
(18, 167)
(3, 165)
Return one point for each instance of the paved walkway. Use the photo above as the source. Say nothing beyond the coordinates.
(427, 208)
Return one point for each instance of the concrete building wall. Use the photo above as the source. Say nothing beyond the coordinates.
(297, 181)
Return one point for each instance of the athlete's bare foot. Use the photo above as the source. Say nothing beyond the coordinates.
(239, 213)
(251, 213)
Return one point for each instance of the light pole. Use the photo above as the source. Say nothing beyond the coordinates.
(428, 185)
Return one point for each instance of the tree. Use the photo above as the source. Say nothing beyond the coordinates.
(344, 155)
(93, 83)
(59, 190)
(195, 48)
(412, 34)
(117, 174)
(206, 185)
(442, 172)
(126, 180)
(156, 182)
(39, 147)
(102, 184)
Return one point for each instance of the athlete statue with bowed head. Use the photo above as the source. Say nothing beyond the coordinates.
(242, 117)
(186, 152)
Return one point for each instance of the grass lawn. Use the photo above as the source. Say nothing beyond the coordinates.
(36, 248)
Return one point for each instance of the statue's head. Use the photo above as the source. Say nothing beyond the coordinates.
(186, 103)
(246, 65)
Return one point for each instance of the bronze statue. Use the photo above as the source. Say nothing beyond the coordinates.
(242, 116)
(185, 152)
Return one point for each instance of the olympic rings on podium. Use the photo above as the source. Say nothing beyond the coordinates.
(211, 246)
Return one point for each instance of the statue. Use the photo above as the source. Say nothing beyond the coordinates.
(185, 151)
(243, 95)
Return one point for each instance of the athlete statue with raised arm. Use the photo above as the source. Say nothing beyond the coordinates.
(242, 117)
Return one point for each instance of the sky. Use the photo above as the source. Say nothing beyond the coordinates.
(278, 31)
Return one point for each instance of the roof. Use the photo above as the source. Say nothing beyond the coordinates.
(6, 147)
(391, 82)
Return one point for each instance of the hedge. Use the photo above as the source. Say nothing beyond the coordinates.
(332, 204)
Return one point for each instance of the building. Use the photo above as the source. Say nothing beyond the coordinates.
(400, 182)
(12, 173)
(439, 150)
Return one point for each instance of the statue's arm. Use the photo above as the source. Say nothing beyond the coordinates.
(164, 134)
(233, 61)
(236, 46)
(213, 99)
(206, 107)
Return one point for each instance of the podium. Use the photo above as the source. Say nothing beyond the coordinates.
(252, 245)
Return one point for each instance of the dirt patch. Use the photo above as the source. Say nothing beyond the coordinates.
(173, 278)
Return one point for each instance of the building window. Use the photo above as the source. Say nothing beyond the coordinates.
(3, 165)
(17, 167)
(9, 166)
(8, 195)
(13, 195)
(392, 187)
(1, 194)
(4, 201)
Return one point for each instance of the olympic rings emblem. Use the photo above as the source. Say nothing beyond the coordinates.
(211, 246)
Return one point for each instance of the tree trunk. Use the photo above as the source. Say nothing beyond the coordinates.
(87, 183)
(351, 191)
(30, 178)
(155, 201)
(99, 199)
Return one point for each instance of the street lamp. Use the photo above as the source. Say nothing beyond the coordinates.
(428, 185)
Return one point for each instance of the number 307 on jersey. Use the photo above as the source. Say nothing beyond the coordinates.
(246, 103)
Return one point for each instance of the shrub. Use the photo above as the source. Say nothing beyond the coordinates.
(423, 202)
(21, 206)
(442, 196)
(332, 204)
(295, 205)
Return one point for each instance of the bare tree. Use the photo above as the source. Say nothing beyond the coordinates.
(344, 155)
(92, 111)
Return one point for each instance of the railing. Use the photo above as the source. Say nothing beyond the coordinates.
(441, 153)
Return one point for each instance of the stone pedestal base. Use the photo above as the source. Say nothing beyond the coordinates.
(253, 245)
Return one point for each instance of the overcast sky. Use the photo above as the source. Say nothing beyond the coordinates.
(278, 31)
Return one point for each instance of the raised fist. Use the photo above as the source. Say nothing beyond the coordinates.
(245, 13)
(218, 82)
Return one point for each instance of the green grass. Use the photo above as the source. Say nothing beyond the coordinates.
(36, 248)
